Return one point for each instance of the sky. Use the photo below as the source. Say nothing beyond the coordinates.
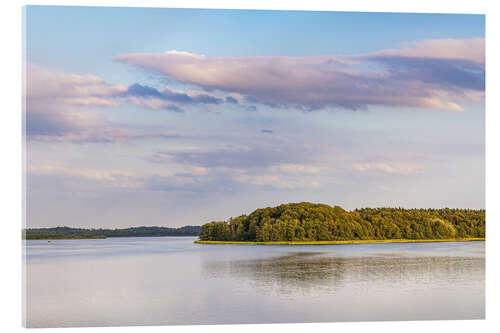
(172, 117)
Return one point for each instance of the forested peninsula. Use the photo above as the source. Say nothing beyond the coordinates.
(305, 222)
(78, 233)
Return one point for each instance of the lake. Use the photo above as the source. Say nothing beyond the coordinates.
(172, 281)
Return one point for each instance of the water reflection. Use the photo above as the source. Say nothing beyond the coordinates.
(158, 281)
(317, 272)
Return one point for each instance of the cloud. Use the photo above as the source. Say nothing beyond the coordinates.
(81, 179)
(458, 75)
(58, 107)
(153, 104)
(44, 124)
(43, 85)
(283, 176)
(73, 177)
(94, 181)
(239, 157)
(55, 104)
(231, 100)
(436, 74)
(389, 168)
(52, 124)
(149, 93)
(46, 121)
(190, 183)
(91, 132)
(455, 49)
(298, 168)
(271, 164)
(277, 181)
(184, 53)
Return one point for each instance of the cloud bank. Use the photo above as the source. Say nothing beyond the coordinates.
(59, 106)
(432, 74)
(442, 74)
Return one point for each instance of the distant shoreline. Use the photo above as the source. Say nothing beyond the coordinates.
(66, 238)
(100, 237)
(80, 233)
(366, 241)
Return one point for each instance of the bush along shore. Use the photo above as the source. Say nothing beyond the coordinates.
(308, 223)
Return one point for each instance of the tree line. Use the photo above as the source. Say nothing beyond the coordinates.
(319, 222)
(75, 233)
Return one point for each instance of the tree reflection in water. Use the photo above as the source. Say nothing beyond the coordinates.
(310, 273)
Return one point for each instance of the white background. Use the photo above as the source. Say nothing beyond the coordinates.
(11, 159)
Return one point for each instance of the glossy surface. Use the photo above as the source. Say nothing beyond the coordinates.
(170, 280)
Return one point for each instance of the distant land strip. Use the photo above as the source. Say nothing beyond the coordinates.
(79, 233)
(364, 241)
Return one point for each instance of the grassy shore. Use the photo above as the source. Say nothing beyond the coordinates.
(363, 241)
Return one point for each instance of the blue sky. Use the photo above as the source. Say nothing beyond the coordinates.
(89, 37)
(180, 116)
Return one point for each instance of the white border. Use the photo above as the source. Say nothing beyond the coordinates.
(10, 311)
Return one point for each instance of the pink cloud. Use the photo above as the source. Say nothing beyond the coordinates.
(433, 74)
(58, 107)
(71, 89)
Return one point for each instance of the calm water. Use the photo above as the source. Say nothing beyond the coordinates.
(170, 280)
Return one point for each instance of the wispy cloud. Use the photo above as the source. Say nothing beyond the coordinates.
(387, 167)
(238, 156)
(46, 86)
(118, 179)
(436, 74)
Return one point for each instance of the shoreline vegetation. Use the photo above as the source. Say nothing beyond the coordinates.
(365, 241)
(308, 223)
(79, 233)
